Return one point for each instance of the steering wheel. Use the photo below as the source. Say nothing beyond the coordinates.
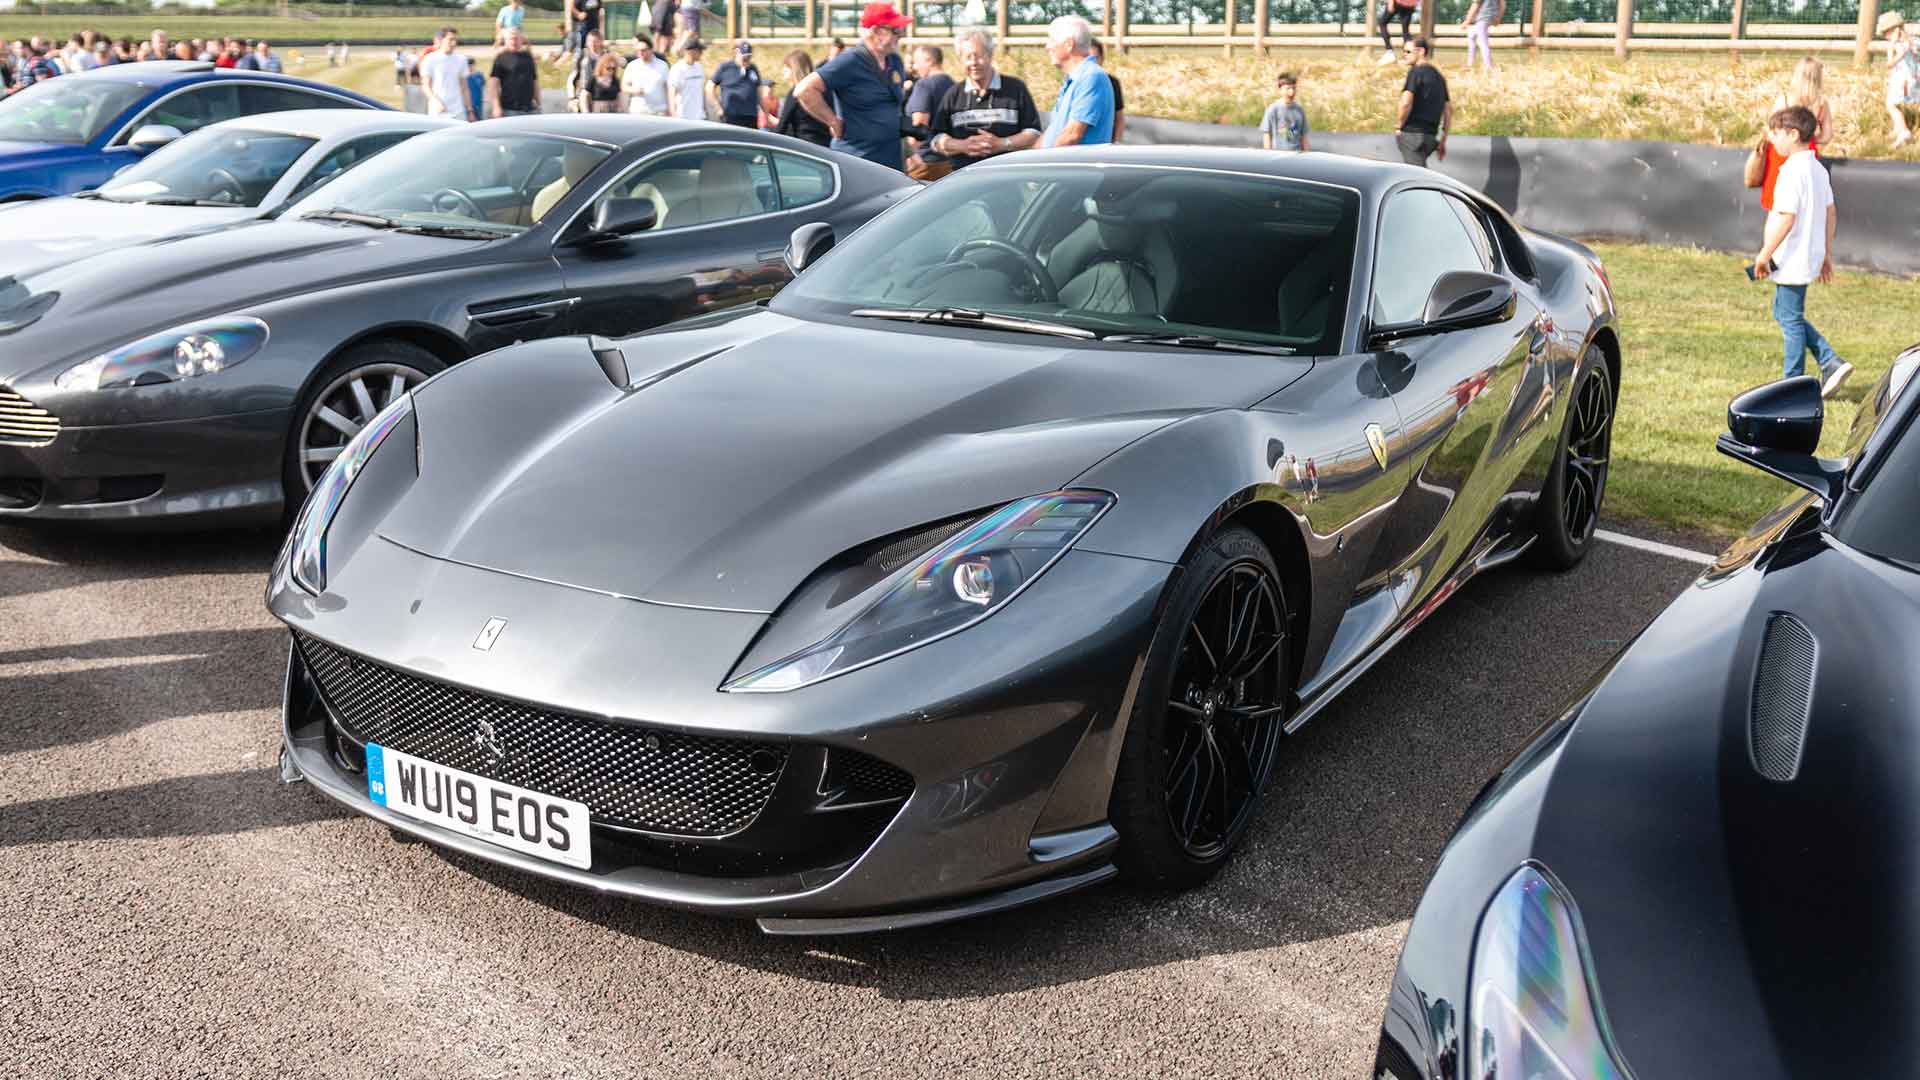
(452, 200)
(1044, 289)
(225, 182)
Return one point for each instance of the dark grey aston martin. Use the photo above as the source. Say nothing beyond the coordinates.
(995, 556)
(214, 376)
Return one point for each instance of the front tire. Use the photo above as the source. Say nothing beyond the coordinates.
(1569, 508)
(339, 400)
(1208, 718)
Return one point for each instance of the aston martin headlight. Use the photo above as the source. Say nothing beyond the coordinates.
(967, 578)
(184, 352)
(306, 550)
(1535, 1009)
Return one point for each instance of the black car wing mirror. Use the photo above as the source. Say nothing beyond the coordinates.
(1776, 428)
(1459, 299)
(615, 218)
(806, 245)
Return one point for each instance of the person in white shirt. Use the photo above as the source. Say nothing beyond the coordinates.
(443, 75)
(645, 80)
(687, 83)
(1797, 249)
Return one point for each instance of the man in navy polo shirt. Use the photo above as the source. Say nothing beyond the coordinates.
(865, 82)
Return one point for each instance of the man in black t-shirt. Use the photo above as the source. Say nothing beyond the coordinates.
(1425, 110)
(986, 113)
(513, 86)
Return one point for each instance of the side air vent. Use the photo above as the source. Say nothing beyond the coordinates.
(1782, 698)
(22, 423)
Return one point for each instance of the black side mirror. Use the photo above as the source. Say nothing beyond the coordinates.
(622, 217)
(1776, 428)
(806, 245)
(1458, 300)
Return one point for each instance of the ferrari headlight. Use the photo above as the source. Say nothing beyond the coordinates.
(967, 578)
(306, 550)
(1535, 1010)
(184, 352)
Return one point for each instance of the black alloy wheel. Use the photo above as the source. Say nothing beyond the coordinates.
(1576, 488)
(1223, 720)
(1210, 713)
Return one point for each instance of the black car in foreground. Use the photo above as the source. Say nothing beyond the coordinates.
(996, 556)
(217, 375)
(1709, 864)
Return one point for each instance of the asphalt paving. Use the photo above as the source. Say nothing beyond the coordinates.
(169, 909)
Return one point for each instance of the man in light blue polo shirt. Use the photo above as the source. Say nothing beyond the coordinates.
(1083, 115)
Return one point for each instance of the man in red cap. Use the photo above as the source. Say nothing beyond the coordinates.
(865, 84)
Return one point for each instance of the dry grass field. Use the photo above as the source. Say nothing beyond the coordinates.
(1704, 98)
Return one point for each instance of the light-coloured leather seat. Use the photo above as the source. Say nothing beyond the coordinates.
(725, 190)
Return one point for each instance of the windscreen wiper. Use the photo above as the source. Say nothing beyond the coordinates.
(457, 232)
(374, 221)
(1201, 341)
(954, 316)
(182, 200)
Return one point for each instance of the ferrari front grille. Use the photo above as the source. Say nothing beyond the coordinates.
(22, 423)
(643, 778)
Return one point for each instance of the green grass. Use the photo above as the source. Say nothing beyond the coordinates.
(1694, 333)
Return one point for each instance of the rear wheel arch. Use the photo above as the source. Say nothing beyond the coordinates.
(1608, 343)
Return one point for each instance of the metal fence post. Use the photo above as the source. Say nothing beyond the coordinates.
(1623, 30)
(1863, 41)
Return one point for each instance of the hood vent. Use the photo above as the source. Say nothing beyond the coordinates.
(1782, 698)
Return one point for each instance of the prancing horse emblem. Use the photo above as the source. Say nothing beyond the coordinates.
(1376, 439)
(487, 741)
(489, 634)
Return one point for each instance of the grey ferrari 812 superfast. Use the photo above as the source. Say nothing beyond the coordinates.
(995, 556)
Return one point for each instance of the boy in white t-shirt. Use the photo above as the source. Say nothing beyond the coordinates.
(1797, 248)
(687, 83)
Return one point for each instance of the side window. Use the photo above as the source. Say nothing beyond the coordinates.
(803, 180)
(346, 156)
(1421, 238)
(265, 99)
(1477, 233)
(194, 109)
(702, 186)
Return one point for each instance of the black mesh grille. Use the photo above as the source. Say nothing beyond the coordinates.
(651, 779)
(1782, 697)
(864, 778)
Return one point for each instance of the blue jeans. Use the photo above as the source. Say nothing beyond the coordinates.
(1798, 335)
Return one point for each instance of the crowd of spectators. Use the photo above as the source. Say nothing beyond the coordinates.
(36, 59)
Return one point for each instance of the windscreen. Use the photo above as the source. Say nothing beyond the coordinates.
(501, 183)
(66, 110)
(218, 166)
(1116, 250)
(1879, 518)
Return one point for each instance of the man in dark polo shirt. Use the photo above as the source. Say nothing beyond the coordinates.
(1425, 109)
(736, 93)
(513, 86)
(986, 113)
(865, 83)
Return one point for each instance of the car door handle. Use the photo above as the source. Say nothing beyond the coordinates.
(520, 314)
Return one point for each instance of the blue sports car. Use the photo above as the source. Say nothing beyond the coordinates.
(71, 133)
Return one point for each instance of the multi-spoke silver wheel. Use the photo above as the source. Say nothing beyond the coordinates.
(341, 408)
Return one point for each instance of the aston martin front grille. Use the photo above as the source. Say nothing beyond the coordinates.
(644, 778)
(22, 423)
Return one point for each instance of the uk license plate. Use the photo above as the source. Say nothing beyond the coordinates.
(544, 826)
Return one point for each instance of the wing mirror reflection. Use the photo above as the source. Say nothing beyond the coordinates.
(806, 245)
(1776, 428)
(152, 137)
